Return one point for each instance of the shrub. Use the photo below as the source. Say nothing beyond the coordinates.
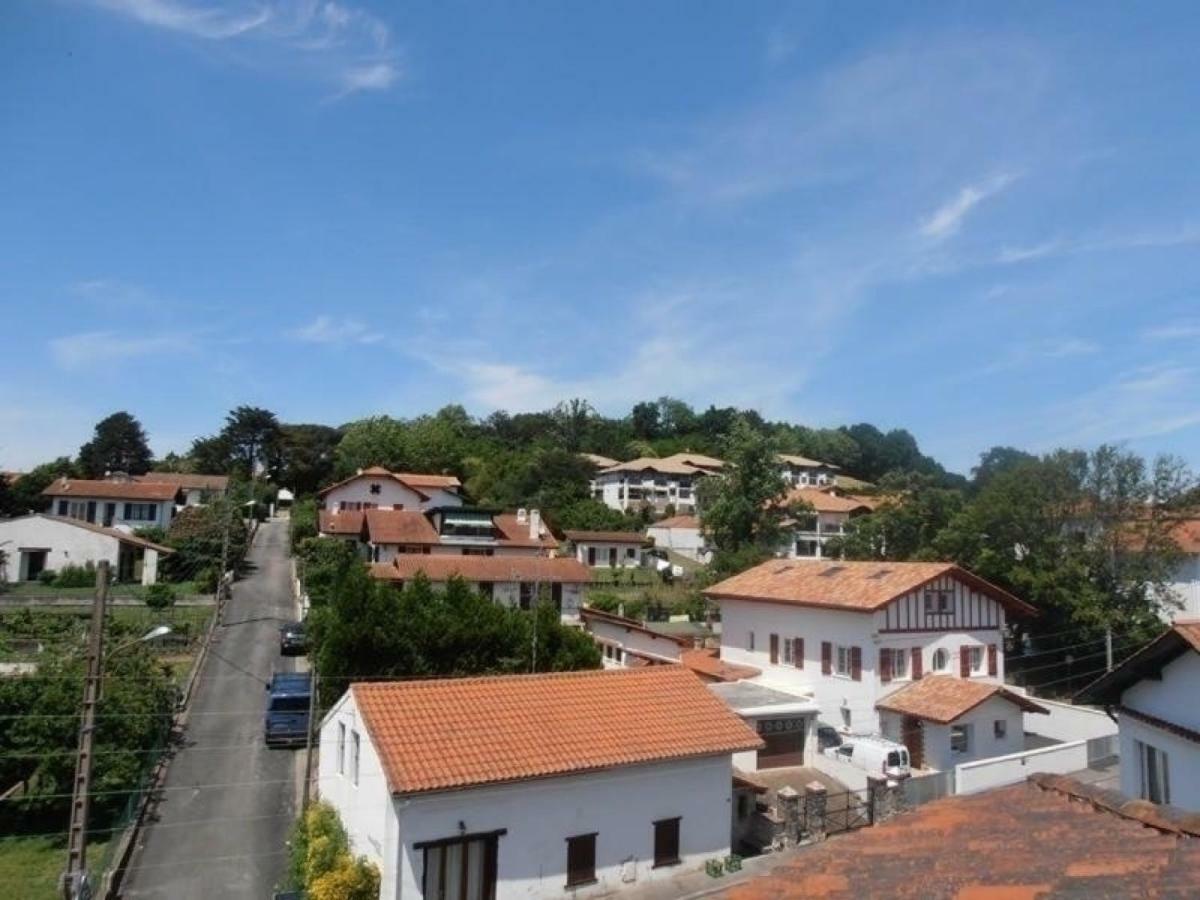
(349, 879)
(160, 596)
(46, 577)
(72, 576)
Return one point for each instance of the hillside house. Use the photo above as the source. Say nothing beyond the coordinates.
(682, 535)
(379, 488)
(513, 786)
(800, 471)
(853, 633)
(381, 534)
(196, 490)
(1153, 696)
(512, 581)
(40, 543)
(608, 549)
(117, 501)
(825, 515)
(655, 483)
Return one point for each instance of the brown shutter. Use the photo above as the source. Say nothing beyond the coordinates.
(964, 661)
(885, 664)
(774, 649)
(856, 663)
(917, 671)
(993, 664)
(826, 658)
(798, 652)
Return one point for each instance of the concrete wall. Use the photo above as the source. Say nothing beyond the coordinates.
(1068, 722)
(1060, 759)
(1171, 699)
(619, 805)
(685, 541)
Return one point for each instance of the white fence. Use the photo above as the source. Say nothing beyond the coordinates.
(1060, 759)
(1068, 722)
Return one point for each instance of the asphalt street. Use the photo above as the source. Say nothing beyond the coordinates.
(220, 827)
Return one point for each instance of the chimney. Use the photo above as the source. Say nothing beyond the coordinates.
(522, 515)
(535, 524)
(359, 472)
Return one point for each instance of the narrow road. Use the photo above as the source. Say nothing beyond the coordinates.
(220, 826)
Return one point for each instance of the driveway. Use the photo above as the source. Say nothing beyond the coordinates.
(220, 827)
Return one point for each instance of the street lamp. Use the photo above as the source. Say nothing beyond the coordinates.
(156, 632)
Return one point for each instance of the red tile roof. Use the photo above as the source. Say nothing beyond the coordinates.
(443, 567)
(824, 500)
(454, 733)
(187, 480)
(610, 537)
(675, 464)
(856, 586)
(944, 698)
(1048, 837)
(708, 664)
(114, 490)
(399, 526)
(591, 614)
(414, 481)
(677, 522)
(804, 462)
(342, 523)
(123, 536)
(514, 533)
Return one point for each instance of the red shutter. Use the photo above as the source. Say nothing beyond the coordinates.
(826, 658)
(798, 652)
(917, 671)
(993, 664)
(856, 663)
(774, 649)
(885, 664)
(964, 661)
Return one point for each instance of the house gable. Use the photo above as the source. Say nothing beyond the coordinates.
(946, 603)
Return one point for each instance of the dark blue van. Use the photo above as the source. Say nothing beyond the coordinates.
(288, 703)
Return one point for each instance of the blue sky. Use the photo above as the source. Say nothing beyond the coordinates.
(981, 224)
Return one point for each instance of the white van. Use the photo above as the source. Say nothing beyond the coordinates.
(873, 754)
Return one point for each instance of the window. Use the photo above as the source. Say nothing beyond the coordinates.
(141, 512)
(630, 552)
(375, 489)
(808, 549)
(460, 868)
(341, 753)
(975, 659)
(843, 661)
(526, 594)
(846, 717)
(1000, 729)
(941, 660)
(581, 860)
(939, 603)
(666, 842)
(960, 738)
(354, 748)
(787, 652)
(750, 640)
(900, 664)
(1155, 783)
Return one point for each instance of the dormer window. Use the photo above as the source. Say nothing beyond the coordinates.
(376, 488)
(939, 603)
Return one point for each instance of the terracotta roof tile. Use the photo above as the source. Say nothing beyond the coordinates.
(341, 523)
(591, 614)
(514, 533)
(823, 500)
(602, 462)
(804, 462)
(677, 522)
(859, 586)
(188, 480)
(1049, 837)
(675, 464)
(443, 567)
(414, 481)
(115, 490)
(708, 664)
(419, 480)
(943, 698)
(454, 733)
(612, 537)
(399, 526)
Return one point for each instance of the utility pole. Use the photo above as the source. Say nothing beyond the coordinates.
(308, 749)
(1108, 655)
(221, 586)
(74, 883)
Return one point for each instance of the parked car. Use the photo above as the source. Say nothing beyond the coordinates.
(289, 699)
(872, 753)
(293, 639)
(827, 738)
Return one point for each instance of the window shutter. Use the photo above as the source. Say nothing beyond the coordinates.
(885, 664)
(964, 661)
(774, 649)
(917, 671)
(798, 652)
(826, 658)
(856, 663)
(993, 662)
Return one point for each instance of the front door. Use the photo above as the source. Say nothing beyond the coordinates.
(110, 513)
(913, 737)
(35, 563)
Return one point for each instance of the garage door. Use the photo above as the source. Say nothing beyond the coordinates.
(785, 743)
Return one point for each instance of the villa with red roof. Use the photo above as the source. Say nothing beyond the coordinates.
(570, 784)
(912, 650)
(380, 488)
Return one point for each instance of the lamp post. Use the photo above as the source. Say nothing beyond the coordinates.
(75, 884)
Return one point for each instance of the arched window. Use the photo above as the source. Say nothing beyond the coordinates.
(941, 660)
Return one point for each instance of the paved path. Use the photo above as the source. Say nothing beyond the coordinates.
(220, 827)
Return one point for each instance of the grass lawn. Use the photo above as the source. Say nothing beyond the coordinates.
(31, 866)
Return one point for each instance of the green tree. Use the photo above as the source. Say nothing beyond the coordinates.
(253, 436)
(306, 457)
(644, 419)
(995, 460)
(377, 441)
(210, 456)
(27, 490)
(905, 525)
(117, 445)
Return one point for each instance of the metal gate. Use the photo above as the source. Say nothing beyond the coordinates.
(846, 811)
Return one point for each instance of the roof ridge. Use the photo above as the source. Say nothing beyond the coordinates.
(656, 672)
(1167, 819)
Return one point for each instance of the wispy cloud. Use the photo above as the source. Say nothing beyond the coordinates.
(100, 349)
(1174, 331)
(948, 218)
(1133, 240)
(1143, 402)
(347, 46)
(328, 330)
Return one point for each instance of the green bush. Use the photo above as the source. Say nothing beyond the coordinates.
(160, 596)
(303, 522)
(72, 576)
(46, 577)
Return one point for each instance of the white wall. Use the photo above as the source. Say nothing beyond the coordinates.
(1185, 586)
(386, 552)
(1060, 759)
(390, 493)
(164, 511)
(983, 743)
(657, 646)
(685, 541)
(619, 805)
(1068, 722)
(1172, 699)
(67, 545)
(678, 490)
(602, 550)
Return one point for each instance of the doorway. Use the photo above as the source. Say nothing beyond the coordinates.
(33, 563)
(913, 737)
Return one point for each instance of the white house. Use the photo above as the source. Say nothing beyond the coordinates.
(682, 535)
(852, 633)
(513, 581)
(453, 530)
(607, 549)
(517, 787)
(379, 488)
(37, 543)
(628, 643)
(785, 720)
(800, 471)
(115, 501)
(825, 516)
(1153, 694)
(196, 489)
(655, 482)
(1185, 581)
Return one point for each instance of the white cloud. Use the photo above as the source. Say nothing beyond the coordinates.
(1111, 243)
(348, 46)
(328, 330)
(1174, 331)
(98, 349)
(948, 217)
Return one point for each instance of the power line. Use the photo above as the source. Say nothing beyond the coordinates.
(1075, 659)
